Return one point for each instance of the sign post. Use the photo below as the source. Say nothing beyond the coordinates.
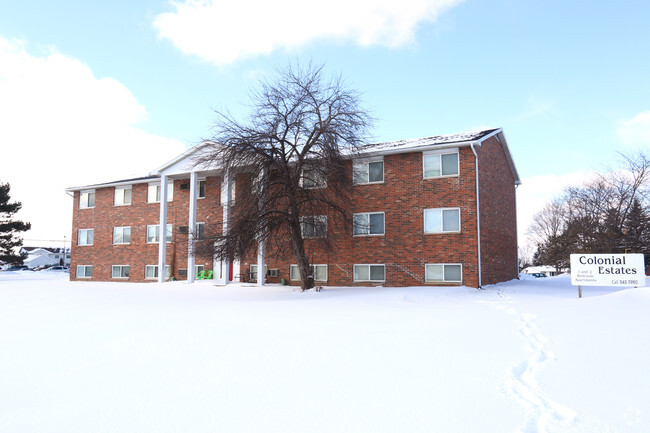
(620, 270)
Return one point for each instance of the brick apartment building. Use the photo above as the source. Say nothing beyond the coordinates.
(432, 211)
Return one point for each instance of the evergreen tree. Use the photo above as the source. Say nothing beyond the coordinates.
(9, 228)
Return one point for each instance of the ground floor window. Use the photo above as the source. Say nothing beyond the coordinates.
(452, 273)
(374, 273)
(120, 271)
(318, 271)
(84, 271)
(151, 272)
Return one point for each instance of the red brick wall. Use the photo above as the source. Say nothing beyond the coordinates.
(404, 249)
(498, 214)
(103, 254)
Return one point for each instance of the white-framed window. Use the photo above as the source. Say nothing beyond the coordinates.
(314, 226)
(440, 163)
(201, 193)
(153, 192)
(198, 269)
(84, 271)
(151, 272)
(368, 171)
(199, 231)
(223, 192)
(442, 220)
(372, 273)
(87, 199)
(120, 271)
(443, 272)
(153, 233)
(318, 271)
(311, 178)
(86, 237)
(369, 224)
(122, 196)
(121, 235)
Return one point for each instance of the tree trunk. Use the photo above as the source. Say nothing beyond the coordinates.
(298, 246)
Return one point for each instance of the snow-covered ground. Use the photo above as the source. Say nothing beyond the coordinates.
(525, 356)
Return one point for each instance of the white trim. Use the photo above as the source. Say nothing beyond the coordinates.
(120, 266)
(122, 188)
(314, 265)
(366, 162)
(443, 273)
(79, 237)
(122, 227)
(368, 234)
(368, 280)
(441, 209)
(85, 267)
(441, 152)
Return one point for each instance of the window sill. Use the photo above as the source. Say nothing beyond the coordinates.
(441, 177)
(369, 183)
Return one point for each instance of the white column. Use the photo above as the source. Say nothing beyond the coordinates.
(227, 185)
(261, 243)
(261, 263)
(162, 230)
(191, 228)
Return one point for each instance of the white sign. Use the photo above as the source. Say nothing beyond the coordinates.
(607, 270)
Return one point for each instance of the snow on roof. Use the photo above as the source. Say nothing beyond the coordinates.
(436, 140)
(143, 179)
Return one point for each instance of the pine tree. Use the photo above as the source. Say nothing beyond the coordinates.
(9, 228)
(637, 229)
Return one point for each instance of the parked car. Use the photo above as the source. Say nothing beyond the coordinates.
(538, 275)
(18, 268)
(58, 269)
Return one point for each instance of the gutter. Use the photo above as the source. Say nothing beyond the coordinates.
(478, 218)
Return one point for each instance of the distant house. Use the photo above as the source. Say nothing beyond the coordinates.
(549, 271)
(45, 256)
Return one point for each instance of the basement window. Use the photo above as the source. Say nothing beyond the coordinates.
(438, 273)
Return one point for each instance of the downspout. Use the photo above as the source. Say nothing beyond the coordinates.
(478, 218)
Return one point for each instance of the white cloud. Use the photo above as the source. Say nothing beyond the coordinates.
(635, 132)
(61, 127)
(223, 32)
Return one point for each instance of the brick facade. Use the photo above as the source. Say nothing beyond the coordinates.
(404, 248)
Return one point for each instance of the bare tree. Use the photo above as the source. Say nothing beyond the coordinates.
(292, 148)
(605, 215)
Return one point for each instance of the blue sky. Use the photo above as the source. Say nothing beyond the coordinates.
(94, 91)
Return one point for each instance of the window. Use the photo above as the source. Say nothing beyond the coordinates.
(314, 226)
(153, 193)
(443, 273)
(441, 220)
(120, 271)
(199, 232)
(84, 271)
(151, 272)
(368, 224)
(440, 163)
(122, 195)
(85, 237)
(201, 189)
(121, 235)
(311, 178)
(87, 199)
(153, 233)
(371, 171)
(198, 268)
(318, 271)
(223, 193)
(369, 273)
